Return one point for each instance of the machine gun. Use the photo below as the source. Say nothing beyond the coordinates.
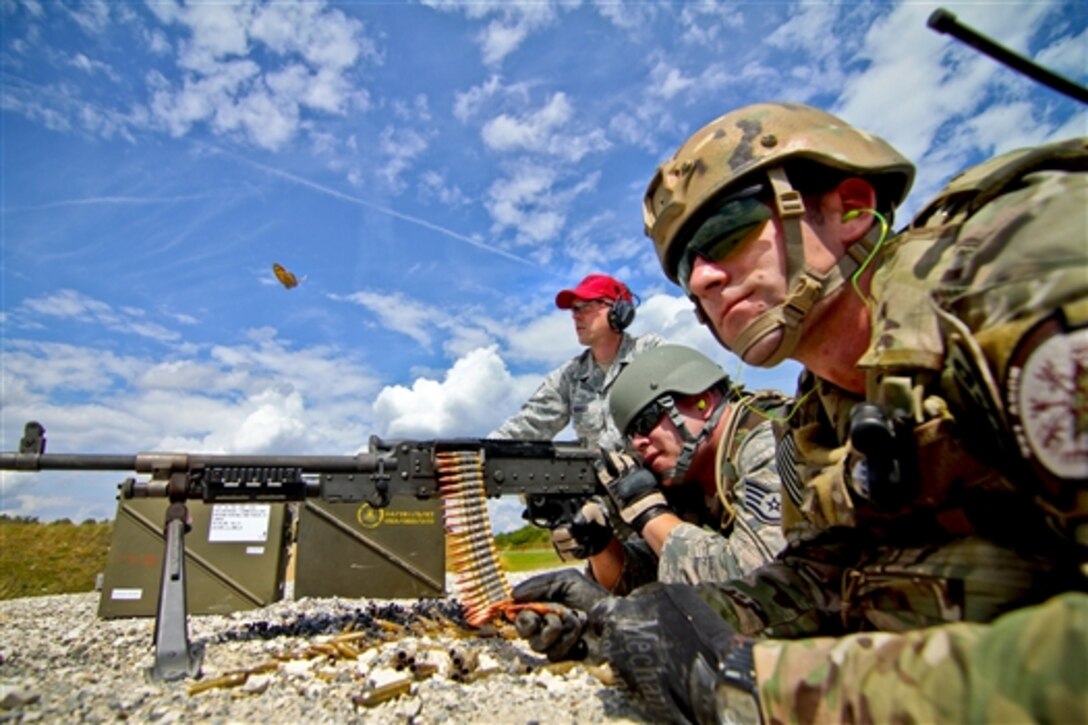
(554, 479)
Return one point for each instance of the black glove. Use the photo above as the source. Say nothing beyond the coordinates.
(588, 532)
(677, 654)
(634, 489)
(558, 633)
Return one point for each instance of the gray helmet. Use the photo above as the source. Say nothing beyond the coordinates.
(664, 370)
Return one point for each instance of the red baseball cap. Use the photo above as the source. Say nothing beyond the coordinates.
(593, 287)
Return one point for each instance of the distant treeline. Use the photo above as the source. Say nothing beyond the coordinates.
(60, 522)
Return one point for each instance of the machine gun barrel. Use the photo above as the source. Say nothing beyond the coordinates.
(66, 462)
(151, 462)
(945, 22)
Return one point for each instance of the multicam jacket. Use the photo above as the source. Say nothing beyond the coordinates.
(1026, 666)
(980, 337)
(712, 546)
(576, 393)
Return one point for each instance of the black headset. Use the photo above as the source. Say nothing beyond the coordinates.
(622, 312)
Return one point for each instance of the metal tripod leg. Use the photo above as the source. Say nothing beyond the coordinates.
(175, 657)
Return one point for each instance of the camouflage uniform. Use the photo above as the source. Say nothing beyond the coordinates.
(711, 546)
(1028, 665)
(576, 393)
(963, 302)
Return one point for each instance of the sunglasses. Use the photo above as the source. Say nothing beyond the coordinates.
(588, 306)
(737, 216)
(646, 420)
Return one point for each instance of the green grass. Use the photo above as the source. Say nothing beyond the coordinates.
(529, 559)
(54, 558)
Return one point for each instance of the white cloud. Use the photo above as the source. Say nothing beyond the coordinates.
(434, 185)
(89, 66)
(705, 22)
(466, 104)
(548, 339)
(1067, 56)
(400, 146)
(505, 132)
(276, 424)
(543, 131)
(69, 368)
(73, 305)
(531, 203)
(92, 16)
(260, 396)
(306, 51)
(667, 81)
(464, 403)
(397, 312)
(504, 34)
(630, 17)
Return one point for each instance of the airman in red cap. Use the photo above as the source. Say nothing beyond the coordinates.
(577, 392)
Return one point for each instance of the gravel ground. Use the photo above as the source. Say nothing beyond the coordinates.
(59, 662)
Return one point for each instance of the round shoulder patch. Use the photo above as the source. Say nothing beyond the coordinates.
(1046, 397)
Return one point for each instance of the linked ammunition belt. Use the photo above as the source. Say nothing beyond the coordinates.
(478, 576)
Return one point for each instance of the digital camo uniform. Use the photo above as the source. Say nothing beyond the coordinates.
(984, 327)
(576, 393)
(712, 545)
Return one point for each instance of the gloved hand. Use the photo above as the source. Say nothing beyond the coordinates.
(664, 640)
(588, 532)
(559, 632)
(677, 654)
(634, 489)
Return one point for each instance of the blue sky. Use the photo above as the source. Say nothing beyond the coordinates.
(433, 171)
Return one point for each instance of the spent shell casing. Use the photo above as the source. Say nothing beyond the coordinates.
(383, 693)
(231, 679)
(423, 670)
(464, 658)
(404, 656)
(479, 674)
(345, 650)
(386, 625)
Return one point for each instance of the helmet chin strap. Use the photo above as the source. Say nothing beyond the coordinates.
(805, 285)
(691, 442)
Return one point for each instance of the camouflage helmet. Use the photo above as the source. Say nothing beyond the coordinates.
(662, 370)
(733, 147)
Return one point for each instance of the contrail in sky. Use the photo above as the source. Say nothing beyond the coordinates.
(92, 200)
(370, 205)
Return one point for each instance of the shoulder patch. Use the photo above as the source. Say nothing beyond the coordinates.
(1046, 393)
(764, 504)
(785, 461)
